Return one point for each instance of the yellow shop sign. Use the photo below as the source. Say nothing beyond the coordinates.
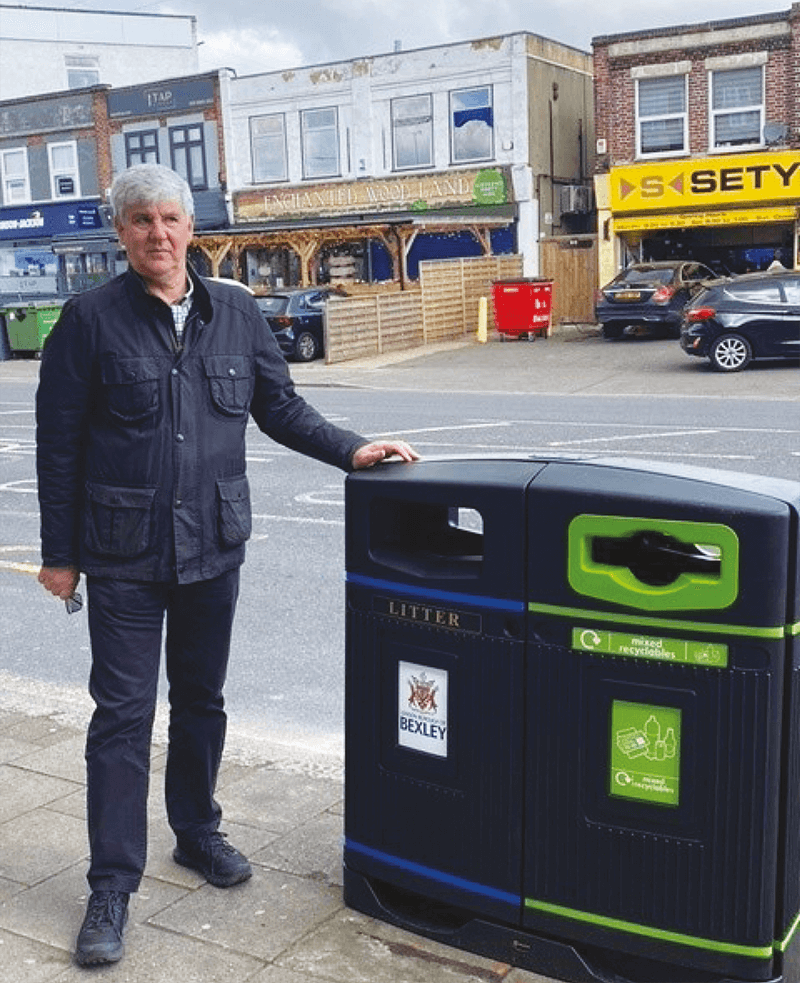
(710, 181)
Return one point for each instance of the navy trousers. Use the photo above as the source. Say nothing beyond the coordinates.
(126, 621)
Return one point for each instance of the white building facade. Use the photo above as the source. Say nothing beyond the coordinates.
(48, 49)
(461, 146)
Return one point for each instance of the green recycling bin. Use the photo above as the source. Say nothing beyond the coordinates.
(632, 811)
(29, 324)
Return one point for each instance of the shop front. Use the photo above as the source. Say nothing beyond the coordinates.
(54, 250)
(368, 231)
(735, 213)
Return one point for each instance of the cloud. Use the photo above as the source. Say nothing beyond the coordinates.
(248, 51)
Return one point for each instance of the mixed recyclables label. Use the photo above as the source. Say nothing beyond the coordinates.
(695, 653)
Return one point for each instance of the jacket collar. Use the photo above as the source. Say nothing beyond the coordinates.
(201, 296)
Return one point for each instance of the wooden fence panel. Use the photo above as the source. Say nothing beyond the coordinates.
(444, 308)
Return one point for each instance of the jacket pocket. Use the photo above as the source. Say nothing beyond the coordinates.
(119, 521)
(131, 387)
(234, 516)
(230, 382)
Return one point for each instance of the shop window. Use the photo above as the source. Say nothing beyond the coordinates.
(412, 132)
(187, 148)
(141, 147)
(268, 148)
(82, 71)
(737, 107)
(320, 136)
(661, 115)
(64, 179)
(14, 173)
(472, 124)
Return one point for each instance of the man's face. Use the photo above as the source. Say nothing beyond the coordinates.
(156, 237)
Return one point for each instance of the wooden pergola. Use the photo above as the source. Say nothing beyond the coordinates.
(306, 242)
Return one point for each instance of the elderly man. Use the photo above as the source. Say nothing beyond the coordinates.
(145, 391)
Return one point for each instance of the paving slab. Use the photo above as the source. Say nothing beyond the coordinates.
(262, 917)
(23, 791)
(278, 800)
(351, 948)
(36, 845)
(25, 961)
(313, 850)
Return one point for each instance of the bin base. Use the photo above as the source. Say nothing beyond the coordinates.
(505, 943)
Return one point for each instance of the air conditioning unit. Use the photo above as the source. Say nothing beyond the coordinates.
(576, 199)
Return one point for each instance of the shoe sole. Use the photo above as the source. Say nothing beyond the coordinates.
(186, 861)
(86, 959)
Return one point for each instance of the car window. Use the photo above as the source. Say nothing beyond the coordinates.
(791, 288)
(638, 274)
(756, 293)
(699, 272)
(273, 305)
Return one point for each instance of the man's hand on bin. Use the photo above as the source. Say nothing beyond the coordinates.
(383, 450)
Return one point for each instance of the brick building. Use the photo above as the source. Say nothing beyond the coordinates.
(698, 143)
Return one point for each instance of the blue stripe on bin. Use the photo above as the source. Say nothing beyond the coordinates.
(494, 603)
(432, 874)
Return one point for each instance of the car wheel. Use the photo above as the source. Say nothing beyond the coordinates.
(306, 348)
(730, 353)
(613, 330)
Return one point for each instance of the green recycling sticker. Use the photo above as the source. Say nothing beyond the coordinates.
(645, 752)
(714, 655)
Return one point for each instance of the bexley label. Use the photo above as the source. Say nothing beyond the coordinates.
(711, 654)
(422, 722)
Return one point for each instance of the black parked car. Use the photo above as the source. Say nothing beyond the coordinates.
(296, 318)
(650, 294)
(756, 315)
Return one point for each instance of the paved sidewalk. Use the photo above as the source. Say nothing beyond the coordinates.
(286, 925)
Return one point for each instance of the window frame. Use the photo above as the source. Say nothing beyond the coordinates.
(141, 152)
(304, 131)
(25, 178)
(714, 114)
(175, 147)
(455, 158)
(397, 123)
(257, 178)
(683, 116)
(56, 173)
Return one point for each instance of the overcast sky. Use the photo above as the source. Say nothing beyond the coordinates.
(258, 35)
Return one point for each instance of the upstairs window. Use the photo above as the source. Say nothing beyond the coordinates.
(661, 115)
(64, 182)
(472, 124)
(412, 132)
(320, 135)
(188, 155)
(141, 147)
(14, 175)
(268, 148)
(82, 71)
(737, 107)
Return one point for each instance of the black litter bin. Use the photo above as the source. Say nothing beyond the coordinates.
(609, 789)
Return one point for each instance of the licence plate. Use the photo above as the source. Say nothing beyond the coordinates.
(628, 295)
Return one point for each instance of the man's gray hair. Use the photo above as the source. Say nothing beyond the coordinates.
(149, 184)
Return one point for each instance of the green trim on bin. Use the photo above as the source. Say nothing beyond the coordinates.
(697, 590)
(747, 631)
(783, 944)
(618, 925)
(793, 629)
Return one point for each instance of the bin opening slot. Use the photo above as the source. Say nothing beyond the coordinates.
(427, 540)
(655, 558)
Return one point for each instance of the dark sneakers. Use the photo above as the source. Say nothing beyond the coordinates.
(100, 937)
(220, 863)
